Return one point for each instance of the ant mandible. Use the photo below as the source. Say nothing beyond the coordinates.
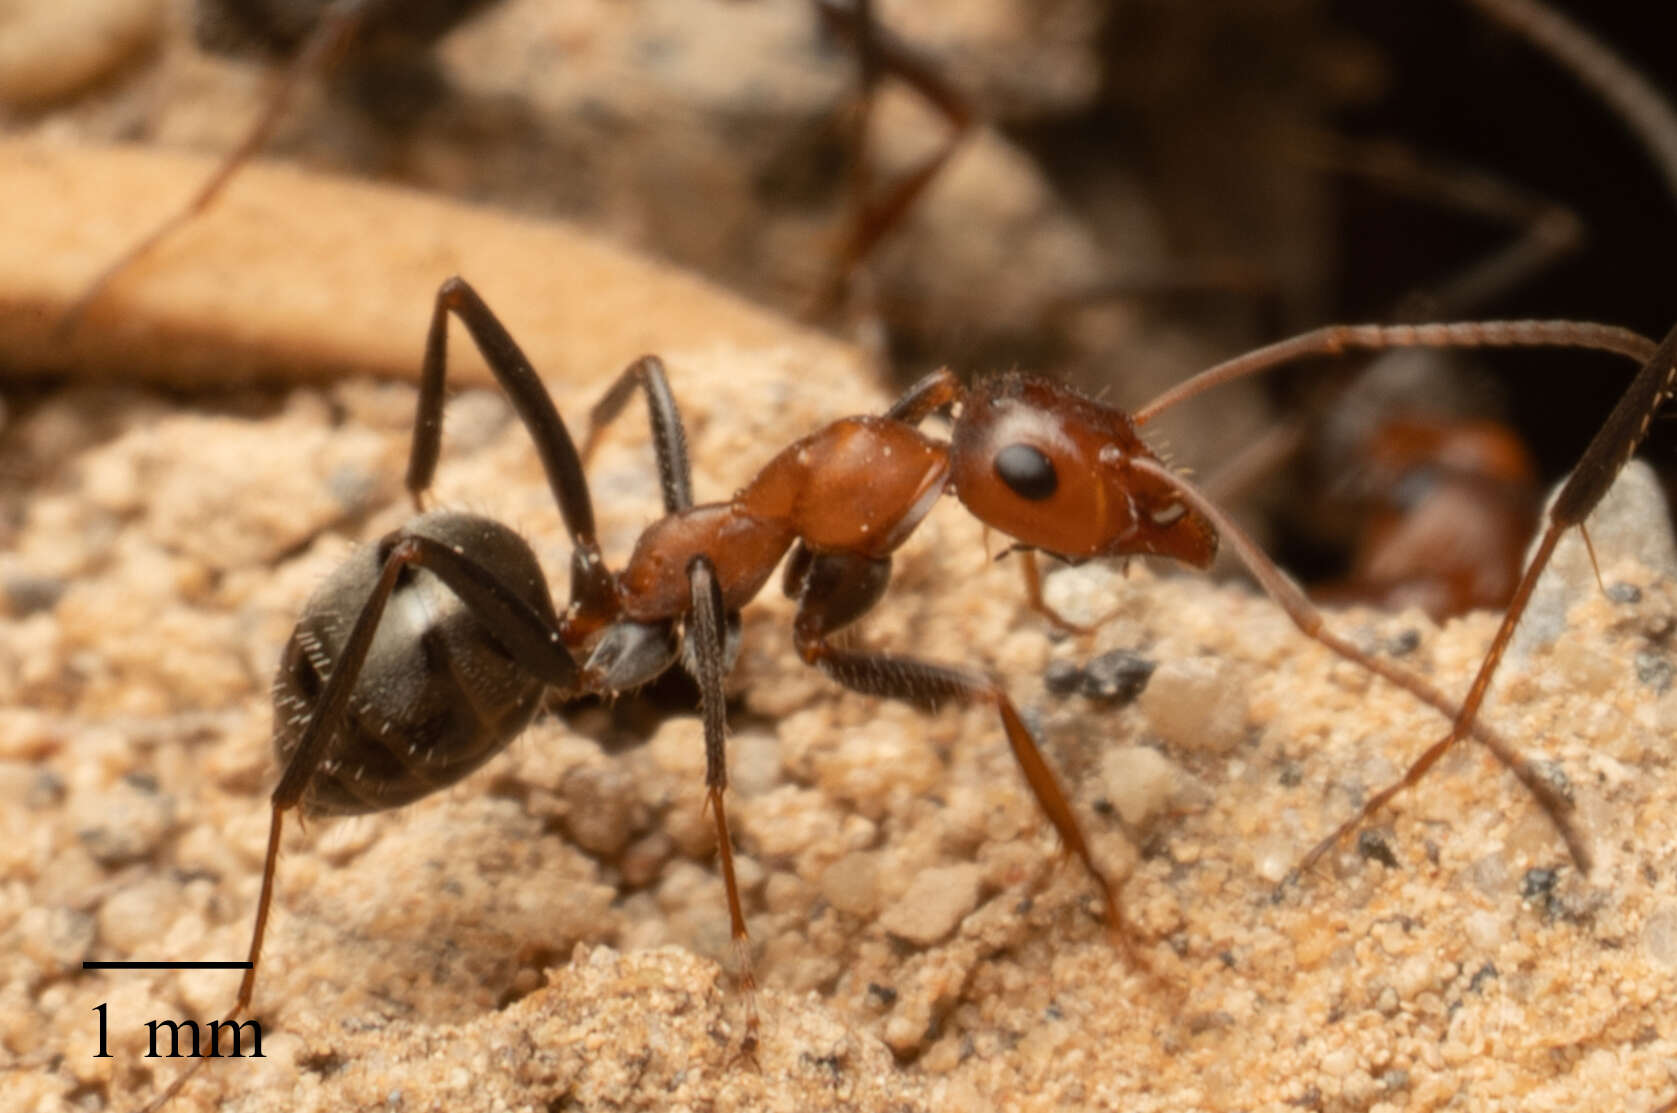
(425, 654)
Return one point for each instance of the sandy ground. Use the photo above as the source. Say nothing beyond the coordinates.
(551, 933)
(548, 934)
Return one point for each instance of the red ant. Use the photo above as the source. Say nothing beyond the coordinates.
(371, 715)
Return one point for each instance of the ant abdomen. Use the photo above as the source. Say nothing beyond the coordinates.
(437, 695)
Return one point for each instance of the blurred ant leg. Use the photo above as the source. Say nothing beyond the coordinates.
(669, 438)
(1309, 621)
(592, 591)
(1636, 101)
(878, 54)
(1607, 454)
(520, 630)
(1545, 232)
(708, 662)
(833, 590)
(1033, 597)
(1333, 340)
(325, 44)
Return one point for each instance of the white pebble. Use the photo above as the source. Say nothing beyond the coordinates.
(1138, 781)
(935, 903)
(1196, 704)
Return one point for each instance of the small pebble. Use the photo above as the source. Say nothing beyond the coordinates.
(1624, 594)
(1062, 678)
(1116, 678)
(1659, 935)
(600, 808)
(1405, 643)
(1538, 884)
(1138, 781)
(1373, 846)
(937, 901)
(1630, 521)
(123, 824)
(1196, 704)
(1654, 670)
(136, 917)
(851, 884)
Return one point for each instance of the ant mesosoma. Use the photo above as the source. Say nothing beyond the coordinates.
(426, 653)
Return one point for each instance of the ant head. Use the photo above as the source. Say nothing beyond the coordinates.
(1051, 469)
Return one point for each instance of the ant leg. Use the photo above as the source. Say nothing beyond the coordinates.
(529, 638)
(325, 44)
(929, 686)
(833, 590)
(592, 590)
(1607, 454)
(1545, 232)
(247, 983)
(1309, 620)
(669, 438)
(877, 53)
(1033, 597)
(707, 640)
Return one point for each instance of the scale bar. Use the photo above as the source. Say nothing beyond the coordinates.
(141, 964)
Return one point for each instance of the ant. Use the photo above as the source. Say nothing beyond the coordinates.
(426, 653)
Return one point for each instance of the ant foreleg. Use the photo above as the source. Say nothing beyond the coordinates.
(707, 660)
(1607, 454)
(1309, 621)
(339, 24)
(669, 438)
(1034, 599)
(591, 585)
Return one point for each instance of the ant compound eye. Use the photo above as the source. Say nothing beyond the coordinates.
(1027, 472)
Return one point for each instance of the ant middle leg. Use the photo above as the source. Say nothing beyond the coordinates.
(833, 590)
